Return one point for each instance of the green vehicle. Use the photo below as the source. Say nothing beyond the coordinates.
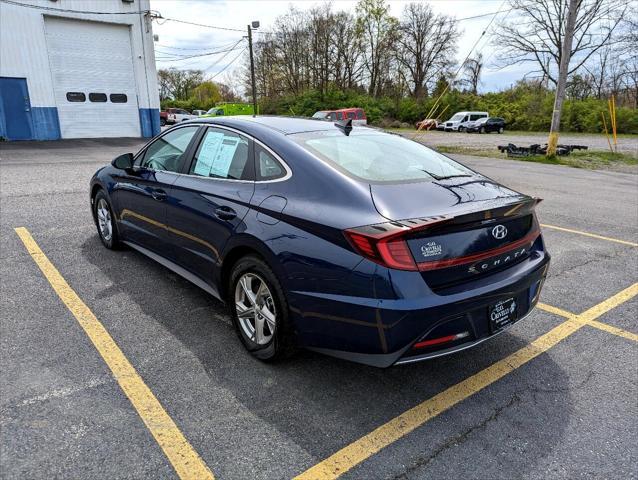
(228, 109)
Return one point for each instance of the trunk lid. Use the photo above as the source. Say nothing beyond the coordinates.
(474, 226)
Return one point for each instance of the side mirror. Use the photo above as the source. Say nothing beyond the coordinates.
(123, 162)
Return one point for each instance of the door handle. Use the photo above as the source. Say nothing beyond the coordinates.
(159, 195)
(225, 213)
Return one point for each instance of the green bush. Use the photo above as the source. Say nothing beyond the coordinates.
(524, 107)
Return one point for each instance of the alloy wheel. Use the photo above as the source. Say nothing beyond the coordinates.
(104, 219)
(255, 308)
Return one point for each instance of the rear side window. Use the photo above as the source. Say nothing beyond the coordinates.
(118, 98)
(97, 97)
(379, 157)
(352, 115)
(359, 114)
(268, 168)
(75, 97)
(222, 154)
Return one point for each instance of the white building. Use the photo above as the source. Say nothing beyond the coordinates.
(77, 69)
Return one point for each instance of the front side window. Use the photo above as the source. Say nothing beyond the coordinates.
(222, 154)
(268, 168)
(166, 152)
(379, 157)
(332, 116)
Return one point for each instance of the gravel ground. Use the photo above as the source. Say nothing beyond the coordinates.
(626, 144)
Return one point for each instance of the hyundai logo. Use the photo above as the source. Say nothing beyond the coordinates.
(499, 232)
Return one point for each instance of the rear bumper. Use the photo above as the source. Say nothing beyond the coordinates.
(382, 333)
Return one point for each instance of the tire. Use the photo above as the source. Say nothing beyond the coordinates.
(501, 129)
(105, 222)
(482, 130)
(268, 345)
(461, 129)
(162, 122)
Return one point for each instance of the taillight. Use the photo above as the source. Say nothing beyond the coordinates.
(385, 243)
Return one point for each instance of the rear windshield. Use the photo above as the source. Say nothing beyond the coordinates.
(379, 157)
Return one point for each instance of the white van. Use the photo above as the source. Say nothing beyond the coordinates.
(458, 120)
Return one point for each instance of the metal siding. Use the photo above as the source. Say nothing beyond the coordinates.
(92, 57)
(24, 53)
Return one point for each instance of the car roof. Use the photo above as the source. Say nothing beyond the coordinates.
(285, 125)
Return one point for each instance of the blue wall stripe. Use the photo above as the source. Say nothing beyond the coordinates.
(149, 121)
(46, 124)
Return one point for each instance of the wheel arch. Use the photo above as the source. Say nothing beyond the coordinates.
(240, 247)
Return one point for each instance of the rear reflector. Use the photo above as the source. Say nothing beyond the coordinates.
(440, 340)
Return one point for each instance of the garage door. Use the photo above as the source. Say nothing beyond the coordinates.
(93, 79)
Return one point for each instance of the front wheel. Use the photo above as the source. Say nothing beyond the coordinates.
(105, 222)
(259, 310)
(500, 130)
(461, 129)
(162, 122)
(482, 130)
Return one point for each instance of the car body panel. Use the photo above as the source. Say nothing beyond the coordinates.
(340, 302)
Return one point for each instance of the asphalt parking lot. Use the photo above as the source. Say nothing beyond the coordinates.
(556, 396)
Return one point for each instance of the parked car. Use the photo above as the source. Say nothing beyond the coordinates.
(214, 112)
(358, 115)
(199, 113)
(487, 125)
(227, 108)
(177, 115)
(459, 121)
(355, 243)
(163, 117)
(427, 124)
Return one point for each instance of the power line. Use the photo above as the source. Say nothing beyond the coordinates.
(216, 62)
(200, 24)
(179, 57)
(229, 64)
(64, 10)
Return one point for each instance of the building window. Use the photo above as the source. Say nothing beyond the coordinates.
(75, 97)
(97, 97)
(118, 98)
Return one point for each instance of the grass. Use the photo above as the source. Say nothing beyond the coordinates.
(590, 159)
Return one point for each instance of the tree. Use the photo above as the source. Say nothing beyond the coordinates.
(536, 37)
(472, 70)
(206, 93)
(426, 45)
(178, 84)
(377, 30)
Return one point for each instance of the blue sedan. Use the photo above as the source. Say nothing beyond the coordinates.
(349, 241)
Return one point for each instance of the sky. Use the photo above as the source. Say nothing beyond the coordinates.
(177, 40)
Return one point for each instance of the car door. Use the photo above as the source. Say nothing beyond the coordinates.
(140, 194)
(209, 202)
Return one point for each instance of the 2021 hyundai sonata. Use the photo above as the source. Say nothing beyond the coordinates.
(348, 241)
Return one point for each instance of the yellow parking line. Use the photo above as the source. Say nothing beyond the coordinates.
(592, 323)
(615, 330)
(358, 451)
(593, 235)
(180, 453)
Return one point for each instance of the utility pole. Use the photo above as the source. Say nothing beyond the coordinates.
(255, 25)
(563, 69)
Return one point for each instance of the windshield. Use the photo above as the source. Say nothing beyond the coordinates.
(320, 115)
(457, 117)
(379, 157)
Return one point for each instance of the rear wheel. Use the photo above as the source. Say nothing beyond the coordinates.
(260, 310)
(162, 122)
(106, 227)
(500, 129)
(461, 129)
